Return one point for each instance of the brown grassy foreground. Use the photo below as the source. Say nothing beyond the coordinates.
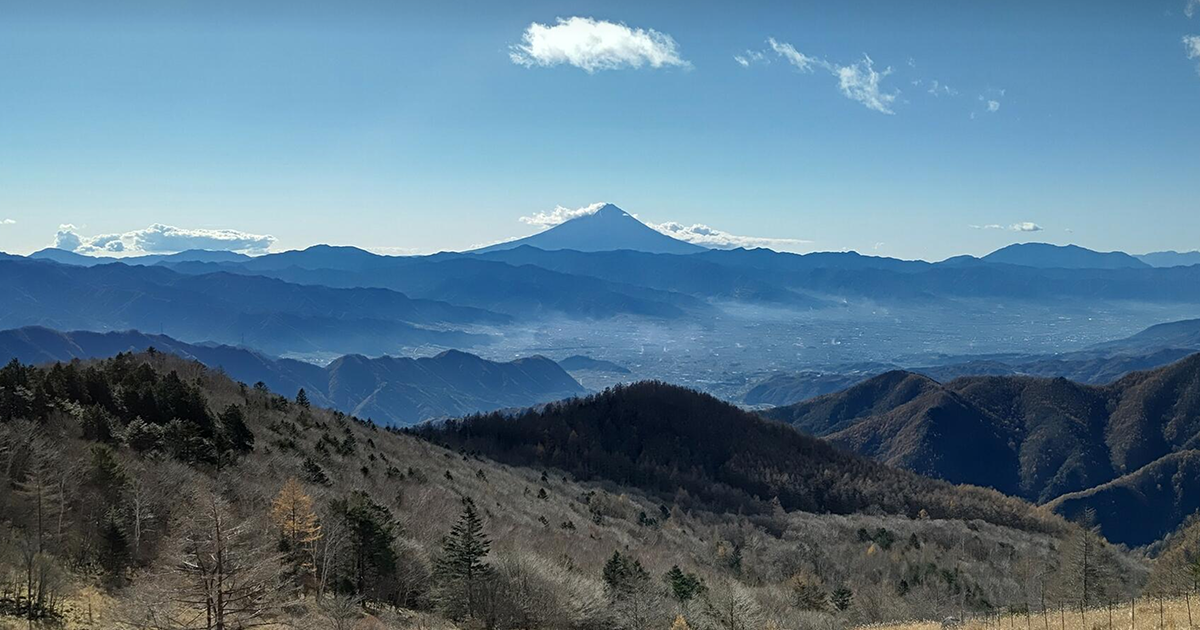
(1150, 613)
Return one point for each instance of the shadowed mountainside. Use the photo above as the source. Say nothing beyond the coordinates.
(1037, 438)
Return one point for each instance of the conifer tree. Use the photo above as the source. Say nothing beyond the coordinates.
(370, 532)
(235, 435)
(302, 398)
(624, 575)
(684, 586)
(461, 566)
(841, 598)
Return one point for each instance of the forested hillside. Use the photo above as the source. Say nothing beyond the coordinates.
(1128, 446)
(668, 438)
(149, 492)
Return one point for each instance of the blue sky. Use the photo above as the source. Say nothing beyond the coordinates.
(410, 127)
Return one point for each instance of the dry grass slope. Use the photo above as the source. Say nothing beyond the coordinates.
(1147, 613)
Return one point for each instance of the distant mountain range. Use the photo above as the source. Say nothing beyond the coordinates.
(625, 275)
(388, 390)
(1103, 363)
(332, 300)
(1123, 448)
(268, 314)
(192, 255)
(609, 228)
(1171, 259)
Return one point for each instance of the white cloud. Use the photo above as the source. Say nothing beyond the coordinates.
(1023, 226)
(1190, 9)
(160, 239)
(795, 57)
(560, 215)
(750, 57)
(858, 81)
(939, 89)
(66, 238)
(7, 222)
(701, 234)
(593, 45)
(1192, 44)
(990, 100)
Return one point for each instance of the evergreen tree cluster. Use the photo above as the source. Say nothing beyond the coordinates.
(123, 400)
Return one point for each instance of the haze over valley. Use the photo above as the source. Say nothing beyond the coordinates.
(716, 320)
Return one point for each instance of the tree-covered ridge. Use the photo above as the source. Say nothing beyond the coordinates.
(123, 400)
(672, 440)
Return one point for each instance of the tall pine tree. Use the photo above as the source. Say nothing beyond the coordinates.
(461, 566)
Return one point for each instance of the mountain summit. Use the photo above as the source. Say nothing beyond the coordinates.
(607, 229)
(1047, 256)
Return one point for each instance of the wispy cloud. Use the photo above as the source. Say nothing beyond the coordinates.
(160, 239)
(701, 234)
(751, 57)
(1191, 8)
(937, 88)
(7, 222)
(559, 215)
(1023, 226)
(795, 57)
(386, 250)
(859, 81)
(989, 101)
(593, 45)
(1191, 43)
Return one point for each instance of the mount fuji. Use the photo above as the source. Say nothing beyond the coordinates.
(607, 229)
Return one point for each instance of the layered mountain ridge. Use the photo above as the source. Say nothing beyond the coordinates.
(394, 391)
(1039, 438)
